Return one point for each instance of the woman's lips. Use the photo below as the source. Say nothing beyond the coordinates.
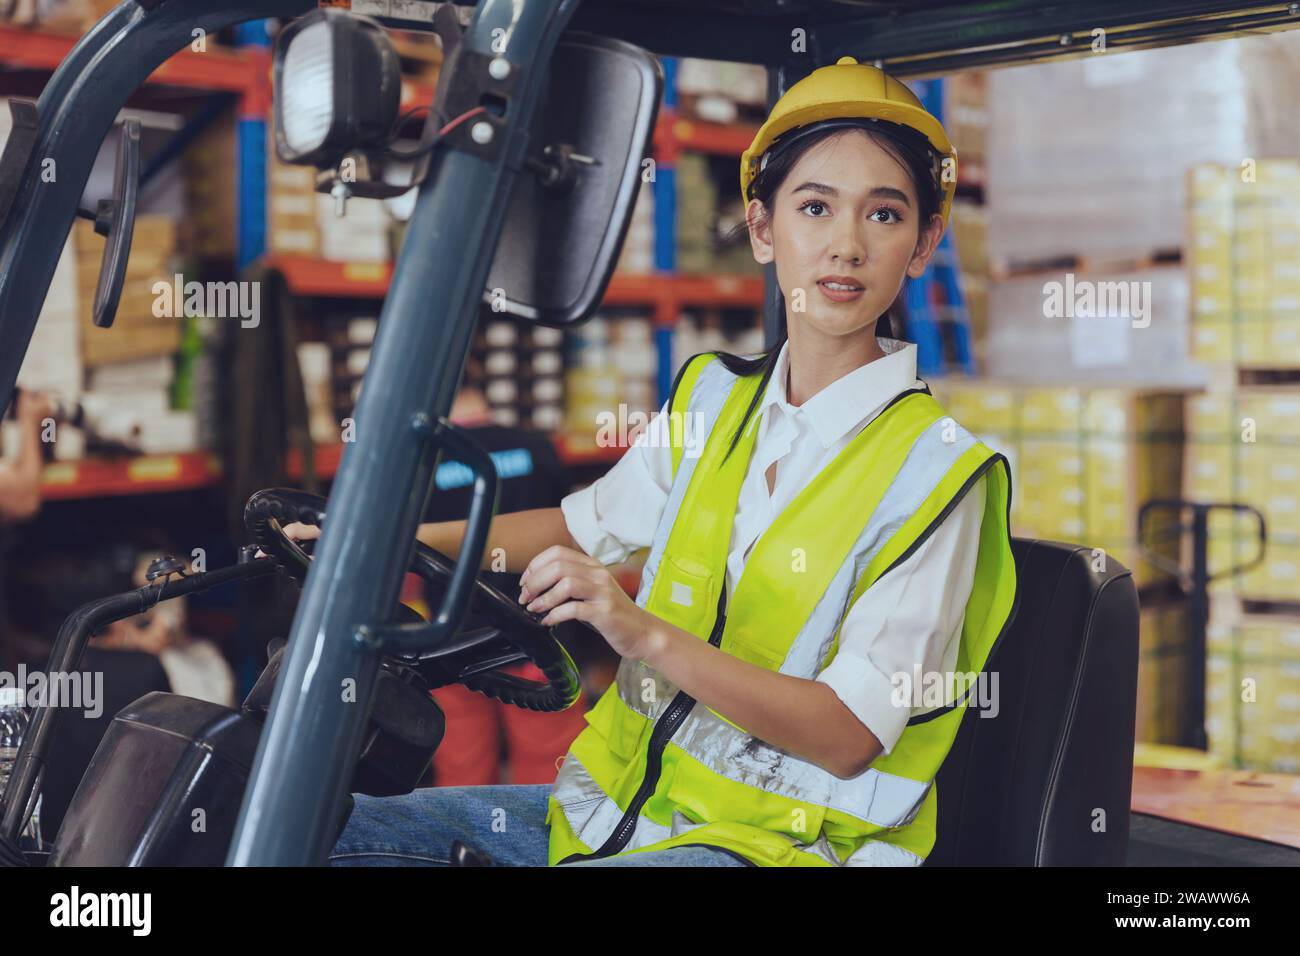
(840, 295)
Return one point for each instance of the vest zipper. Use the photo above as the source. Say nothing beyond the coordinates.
(667, 725)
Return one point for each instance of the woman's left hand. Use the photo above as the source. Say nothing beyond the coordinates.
(568, 585)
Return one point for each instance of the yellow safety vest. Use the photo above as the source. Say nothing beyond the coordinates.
(655, 769)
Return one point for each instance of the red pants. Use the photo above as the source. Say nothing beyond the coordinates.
(479, 729)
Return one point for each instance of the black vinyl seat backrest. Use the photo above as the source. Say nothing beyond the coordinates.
(1048, 780)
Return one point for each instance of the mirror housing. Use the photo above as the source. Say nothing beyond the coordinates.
(115, 219)
(570, 212)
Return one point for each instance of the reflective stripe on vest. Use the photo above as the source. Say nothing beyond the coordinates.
(859, 518)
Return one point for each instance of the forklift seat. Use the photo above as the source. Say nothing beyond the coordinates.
(1048, 780)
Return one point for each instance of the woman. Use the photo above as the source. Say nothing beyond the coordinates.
(820, 536)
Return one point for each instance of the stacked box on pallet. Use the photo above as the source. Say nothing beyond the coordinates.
(1092, 327)
(1163, 668)
(53, 360)
(1244, 439)
(609, 379)
(142, 328)
(1253, 688)
(1083, 460)
(211, 165)
(349, 340)
(697, 203)
(136, 395)
(1087, 155)
(292, 206)
(1244, 448)
(637, 256)
(716, 91)
(1244, 260)
(361, 234)
(519, 367)
(314, 365)
(966, 119)
(969, 228)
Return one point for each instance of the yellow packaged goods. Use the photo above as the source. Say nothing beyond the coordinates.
(1244, 447)
(1244, 263)
(1253, 689)
(1090, 456)
(1163, 664)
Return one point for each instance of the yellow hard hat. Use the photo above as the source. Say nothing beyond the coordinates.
(848, 90)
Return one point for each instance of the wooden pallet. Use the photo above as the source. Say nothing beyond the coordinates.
(1093, 265)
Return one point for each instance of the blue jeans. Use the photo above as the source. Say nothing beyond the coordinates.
(508, 823)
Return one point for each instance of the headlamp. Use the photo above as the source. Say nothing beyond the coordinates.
(338, 87)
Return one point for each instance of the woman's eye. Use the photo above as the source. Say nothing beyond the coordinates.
(812, 205)
(891, 215)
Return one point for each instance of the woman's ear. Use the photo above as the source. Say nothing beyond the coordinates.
(760, 232)
(926, 243)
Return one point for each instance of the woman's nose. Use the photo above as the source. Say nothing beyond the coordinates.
(848, 246)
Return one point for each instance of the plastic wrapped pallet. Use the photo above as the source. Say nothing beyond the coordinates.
(1135, 334)
(1087, 156)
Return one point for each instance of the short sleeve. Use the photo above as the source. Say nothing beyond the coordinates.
(910, 617)
(619, 513)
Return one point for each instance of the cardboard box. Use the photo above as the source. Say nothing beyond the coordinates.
(1083, 460)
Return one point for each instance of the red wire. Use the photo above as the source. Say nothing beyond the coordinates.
(452, 124)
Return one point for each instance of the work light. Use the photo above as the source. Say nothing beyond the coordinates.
(338, 87)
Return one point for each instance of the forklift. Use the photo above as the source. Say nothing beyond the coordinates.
(526, 170)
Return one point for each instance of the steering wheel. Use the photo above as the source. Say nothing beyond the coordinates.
(496, 631)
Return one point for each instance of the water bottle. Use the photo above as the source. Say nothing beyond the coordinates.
(13, 724)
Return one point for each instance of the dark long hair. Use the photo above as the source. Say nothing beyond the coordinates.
(906, 145)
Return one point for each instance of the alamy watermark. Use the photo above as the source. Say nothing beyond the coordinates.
(930, 689)
(1087, 299)
(614, 429)
(76, 690)
(220, 300)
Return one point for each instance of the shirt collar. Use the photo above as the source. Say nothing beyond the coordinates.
(851, 399)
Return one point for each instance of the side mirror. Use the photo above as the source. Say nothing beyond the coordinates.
(566, 222)
(115, 219)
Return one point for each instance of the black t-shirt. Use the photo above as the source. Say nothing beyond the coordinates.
(530, 475)
(530, 472)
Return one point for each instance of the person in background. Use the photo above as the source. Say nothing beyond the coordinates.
(195, 667)
(20, 479)
(20, 492)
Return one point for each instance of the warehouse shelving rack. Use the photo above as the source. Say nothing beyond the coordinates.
(245, 73)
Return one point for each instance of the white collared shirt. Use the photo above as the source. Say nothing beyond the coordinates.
(913, 614)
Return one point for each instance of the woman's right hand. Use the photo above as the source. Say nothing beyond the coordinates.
(295, 532)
